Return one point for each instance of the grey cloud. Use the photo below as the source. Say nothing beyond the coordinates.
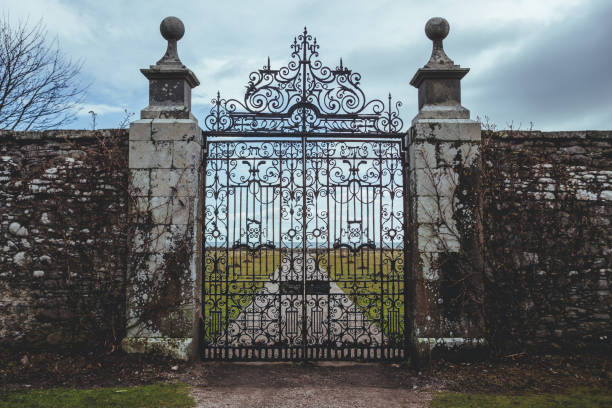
(558, 80)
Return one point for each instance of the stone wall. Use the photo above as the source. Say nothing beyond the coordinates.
(63, 232)
(548, 251)
(64, 240)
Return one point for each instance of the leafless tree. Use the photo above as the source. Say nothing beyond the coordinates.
(39, 87)
(126, 119)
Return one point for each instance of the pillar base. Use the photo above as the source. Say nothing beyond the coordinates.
(178, 348)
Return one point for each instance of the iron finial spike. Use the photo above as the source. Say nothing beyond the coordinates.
(268, 62)
(305, 30)
(340, 63)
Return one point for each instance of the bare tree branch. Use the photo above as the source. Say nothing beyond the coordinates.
(39, 87)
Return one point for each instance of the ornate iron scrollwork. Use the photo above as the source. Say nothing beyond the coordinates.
(304, 96)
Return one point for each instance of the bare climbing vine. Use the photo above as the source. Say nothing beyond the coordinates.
(91, 242)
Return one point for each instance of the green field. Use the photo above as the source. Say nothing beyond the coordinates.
(366, 277)
(239, 273)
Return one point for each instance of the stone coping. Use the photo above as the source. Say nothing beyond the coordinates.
(537, 134)
(59, 134)
(71, 134)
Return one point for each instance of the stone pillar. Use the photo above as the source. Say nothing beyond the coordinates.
(445, 204)
(165, 160)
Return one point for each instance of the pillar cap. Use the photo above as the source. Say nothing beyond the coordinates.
(433, 73)
(170, 65)
(439, 81)
(170, 81)
(170, 72)
(439, 66)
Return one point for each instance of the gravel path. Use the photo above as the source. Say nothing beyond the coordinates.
(313, 385)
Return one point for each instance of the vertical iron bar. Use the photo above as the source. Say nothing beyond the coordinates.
(381, 243)
(304, 249)
(329, 260)
(280, 241)
(227, 266)
(204, 252)
(409, 289)
(304, 211)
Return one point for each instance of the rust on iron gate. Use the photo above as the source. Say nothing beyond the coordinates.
(304, 229)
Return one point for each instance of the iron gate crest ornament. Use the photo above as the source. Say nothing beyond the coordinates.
(304, 96)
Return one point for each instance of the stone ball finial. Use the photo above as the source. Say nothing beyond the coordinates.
(437, 28)
(172, 28)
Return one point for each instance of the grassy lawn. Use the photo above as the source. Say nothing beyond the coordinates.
(359, 276)
(149, 396)
(580, 398)
(241, 274)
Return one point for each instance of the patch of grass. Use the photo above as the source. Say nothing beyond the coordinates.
(231, 280)
(578, 398)
(147, 396)
(374, 281)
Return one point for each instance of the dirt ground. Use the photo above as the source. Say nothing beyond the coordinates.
(304, 385)
(310, 385)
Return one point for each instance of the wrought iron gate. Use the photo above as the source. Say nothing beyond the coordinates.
(304, 243)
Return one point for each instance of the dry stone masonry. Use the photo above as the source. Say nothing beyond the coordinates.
(62, 237)
(548, 208)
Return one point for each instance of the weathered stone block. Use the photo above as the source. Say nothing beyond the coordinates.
(434, 209)
(161, 240)
(429, 265)
(447, 129)
(161, 210)
(427, 238)
(174, 182)
(140, 130)
(140, 182)
(448, 237)
(164, 182)
(422, 156)
(178, 348)
(182, 207)
(464, 154)
(149, 155)
(436, 182)
(175, 129)
(186, 154)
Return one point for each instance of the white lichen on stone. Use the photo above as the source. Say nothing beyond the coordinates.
(20, 258)
(18, 230)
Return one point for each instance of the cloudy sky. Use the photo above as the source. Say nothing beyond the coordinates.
(545, 61)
